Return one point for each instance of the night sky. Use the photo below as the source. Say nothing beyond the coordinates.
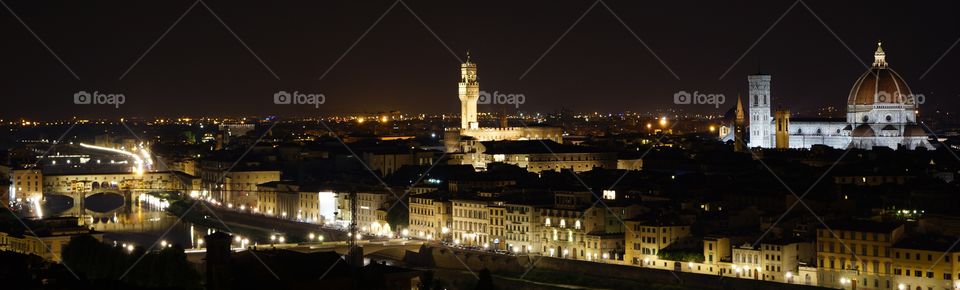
(200, 68)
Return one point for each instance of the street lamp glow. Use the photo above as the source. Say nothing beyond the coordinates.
(282, 239)
(311, 236)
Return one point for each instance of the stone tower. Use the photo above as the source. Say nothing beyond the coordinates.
(782, 129)
(469, 94)
(739, 125)
(760, 118)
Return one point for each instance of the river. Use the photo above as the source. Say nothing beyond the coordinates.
(138, 223)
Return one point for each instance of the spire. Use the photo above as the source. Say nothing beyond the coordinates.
(739, 108)
(879, 57)
(468, 56)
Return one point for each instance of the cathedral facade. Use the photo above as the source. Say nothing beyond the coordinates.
(881, 112)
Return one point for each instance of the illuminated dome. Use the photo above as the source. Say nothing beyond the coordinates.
(879, 85)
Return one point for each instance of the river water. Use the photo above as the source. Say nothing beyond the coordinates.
(137, 223)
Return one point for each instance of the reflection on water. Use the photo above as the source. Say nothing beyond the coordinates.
(134, 223)
(143, 223)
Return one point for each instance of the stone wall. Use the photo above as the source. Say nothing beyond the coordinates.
(447, 258)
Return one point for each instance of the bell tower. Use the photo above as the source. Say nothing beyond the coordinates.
(469, 90)
(760, 118)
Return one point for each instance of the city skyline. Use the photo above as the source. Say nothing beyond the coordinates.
(582, 53)
(479, 145)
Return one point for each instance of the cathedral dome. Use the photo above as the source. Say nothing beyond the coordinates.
(879, 85)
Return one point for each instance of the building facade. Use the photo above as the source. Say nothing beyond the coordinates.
(881, 111)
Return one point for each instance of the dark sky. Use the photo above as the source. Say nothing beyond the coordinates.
(200, 68)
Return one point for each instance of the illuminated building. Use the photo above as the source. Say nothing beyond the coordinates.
(430, 216)
(464, 138)
(881, 111)
(646, 238)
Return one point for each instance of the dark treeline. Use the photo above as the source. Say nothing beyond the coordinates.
(96, 261)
